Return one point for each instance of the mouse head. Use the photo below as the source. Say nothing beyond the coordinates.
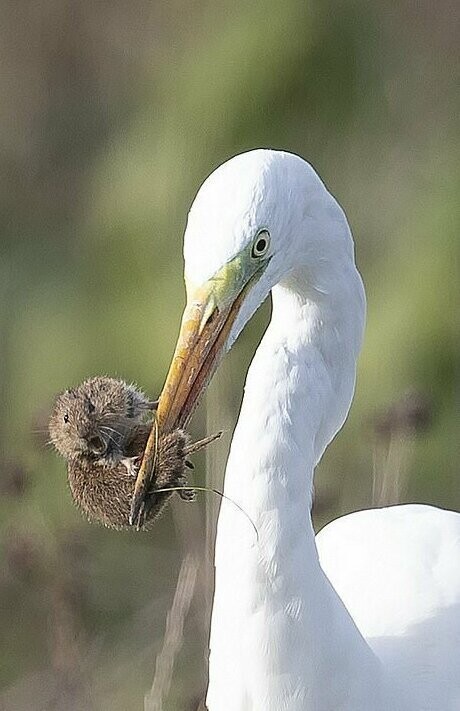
(93, 419)
(72, 426)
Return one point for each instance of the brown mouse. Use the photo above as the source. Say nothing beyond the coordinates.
(100, 428)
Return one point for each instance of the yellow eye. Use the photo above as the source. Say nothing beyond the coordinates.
(261, 244)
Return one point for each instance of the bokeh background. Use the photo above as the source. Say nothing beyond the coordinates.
(112, 114)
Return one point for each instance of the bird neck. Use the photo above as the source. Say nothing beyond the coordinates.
(271, 594)
(299, 386)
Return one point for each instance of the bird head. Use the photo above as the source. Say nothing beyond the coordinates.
(255, 221)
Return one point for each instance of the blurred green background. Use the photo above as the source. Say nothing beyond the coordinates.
(112, 114)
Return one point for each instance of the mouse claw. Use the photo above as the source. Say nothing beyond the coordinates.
(187, 495)
(189, 464)
(132, 465)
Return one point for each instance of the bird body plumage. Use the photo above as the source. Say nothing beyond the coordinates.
(371, 622)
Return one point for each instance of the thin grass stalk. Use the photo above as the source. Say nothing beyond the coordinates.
(174, 634)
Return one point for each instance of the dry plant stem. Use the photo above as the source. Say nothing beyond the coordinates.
(71, 691)
(173, 638)
(391, 473)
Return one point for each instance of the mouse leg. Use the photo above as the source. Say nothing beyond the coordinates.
(175, 478)
(185, 494)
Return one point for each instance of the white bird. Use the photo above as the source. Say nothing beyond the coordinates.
(366, 616)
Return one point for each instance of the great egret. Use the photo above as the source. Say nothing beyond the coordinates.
(366, 616)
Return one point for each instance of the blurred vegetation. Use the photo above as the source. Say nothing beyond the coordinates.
(112, 115)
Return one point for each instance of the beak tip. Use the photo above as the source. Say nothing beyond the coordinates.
(136, 505)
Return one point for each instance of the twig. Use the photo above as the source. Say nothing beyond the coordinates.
(173, 638)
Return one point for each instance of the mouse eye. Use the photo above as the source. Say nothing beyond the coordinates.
(66, 418)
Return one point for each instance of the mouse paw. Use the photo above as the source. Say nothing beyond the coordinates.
(132, 465)
(187, 494)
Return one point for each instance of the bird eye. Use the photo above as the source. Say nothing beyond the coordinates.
(261, 244)
(66, 418)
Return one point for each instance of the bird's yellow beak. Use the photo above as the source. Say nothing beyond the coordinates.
(209, 315)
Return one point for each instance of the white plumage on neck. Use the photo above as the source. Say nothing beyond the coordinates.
(281, 638)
